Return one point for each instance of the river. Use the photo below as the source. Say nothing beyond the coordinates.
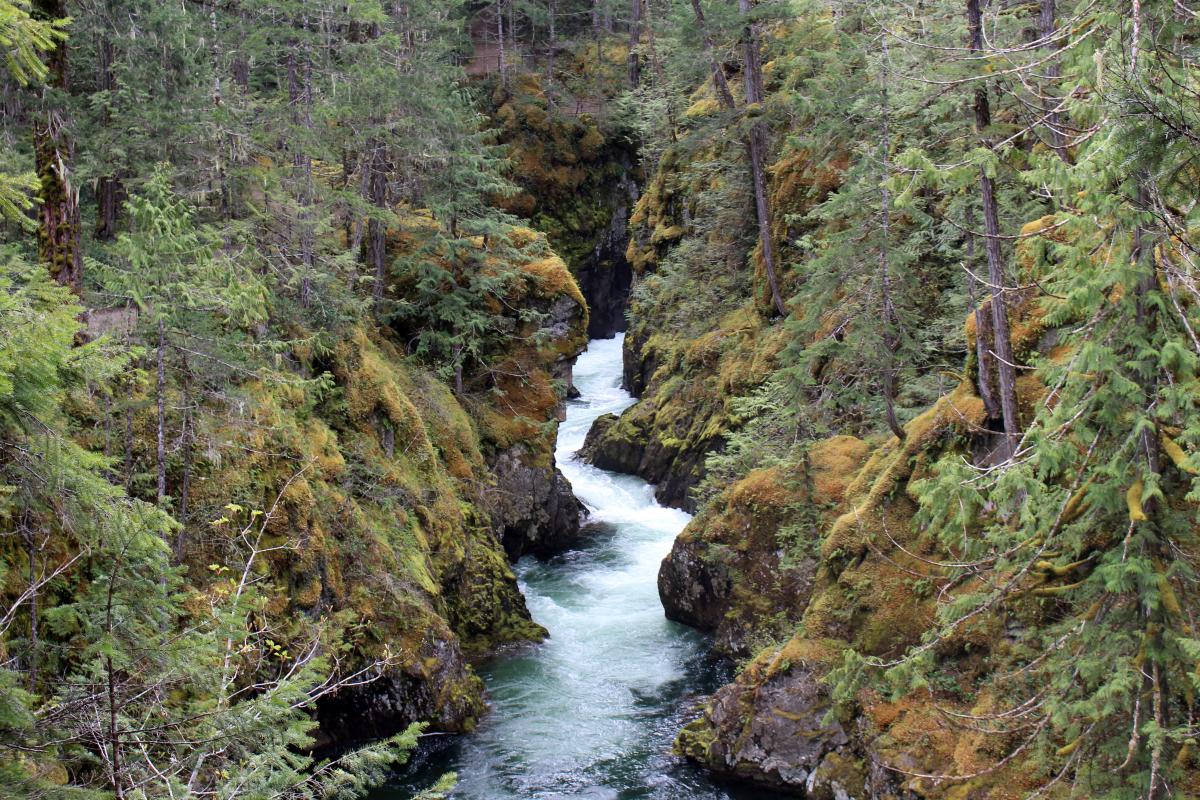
(592, 712)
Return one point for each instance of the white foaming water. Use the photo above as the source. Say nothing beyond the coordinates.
(592, 712)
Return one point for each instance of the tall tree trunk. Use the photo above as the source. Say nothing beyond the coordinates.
(512, 27)
(758, 146)
(1001, 338)
(635, 40)
(225, 142)
(160, 388)
(34, 593)
(108, 186)
(890, 321)
(720, 83)
(551, 51)
(1047, 23)
(116, 772)
(1143, 255)
(983, 357)
(108, 192)
(58, 212)
(503, 63)
(187, 441)
(129, 437)
(300, 96)
(376, 230)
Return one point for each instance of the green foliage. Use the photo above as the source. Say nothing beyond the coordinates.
(253, 155)
(1089, 535)
(168, 266)
(24, 40)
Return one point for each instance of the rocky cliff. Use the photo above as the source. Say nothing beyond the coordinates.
(400, 503)
(579, 176)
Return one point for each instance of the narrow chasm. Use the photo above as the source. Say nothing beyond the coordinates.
(593, 710)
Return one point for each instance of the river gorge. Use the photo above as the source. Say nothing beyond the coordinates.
(590, 713)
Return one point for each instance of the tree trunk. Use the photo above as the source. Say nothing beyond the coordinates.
(108, 192)
(983, 356)
(758, 147)
(1143, 255)
(160, 387)
(1001, 338)
(224, 138)
(458, 370)
(503, 63)
(300, 97)
(376, 230)
(185, 486)
(116, 778)
(512, 27)
(635, 40)
(58, 212)
(891, 323)
(34, 592)
(551, 51)
(1047, 25)
(108, 186)
(129, 437)
(720, 83)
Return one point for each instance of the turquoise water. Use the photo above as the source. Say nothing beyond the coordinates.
(592, 712)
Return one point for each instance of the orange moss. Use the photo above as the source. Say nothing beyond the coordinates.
(762, 488)
(833, 464)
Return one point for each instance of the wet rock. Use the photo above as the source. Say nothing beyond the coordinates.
(742, 569)
(767, 728)
(599, 427)
(435, 685)
(605, 282)
(533, 508)
(695, 589)
(624, 445)
(638, 363)
(605, 276)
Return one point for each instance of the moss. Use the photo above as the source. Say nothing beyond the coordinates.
(704, 107)
(552, 279)
(840, 775)
(696, 740)
(834, 462)
(873, 488)
(572, 171)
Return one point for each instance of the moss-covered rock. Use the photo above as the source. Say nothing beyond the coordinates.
(768, 728)
(579, 178)
(744, 568)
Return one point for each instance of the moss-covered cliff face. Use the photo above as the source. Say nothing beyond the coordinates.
(794, 565)
(393, 502)
(578, 170)
(871, 589)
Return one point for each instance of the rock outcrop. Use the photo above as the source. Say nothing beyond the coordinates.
(628, 445)
(436, 685)
(533, 508)
(744, 568)
(769, 728)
